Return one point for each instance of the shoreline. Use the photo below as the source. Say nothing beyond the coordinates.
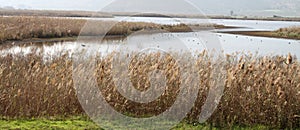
(91, 14)
(40, 28)
(269, 34)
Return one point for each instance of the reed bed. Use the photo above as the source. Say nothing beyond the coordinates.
(290, 32)
(258, 91)
(29, 27)
(286, 33)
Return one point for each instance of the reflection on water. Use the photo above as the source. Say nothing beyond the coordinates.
(255, 25)
(247, 25)
(193, 41)
(230, 44)
(261, 45)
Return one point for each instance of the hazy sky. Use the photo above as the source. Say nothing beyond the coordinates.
(223, 7)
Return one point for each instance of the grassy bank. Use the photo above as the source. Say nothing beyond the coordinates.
(78, 123)
(20, 28)
(257, 18)
(258, 90)
(291, 32)
(84, 123)
(287, 33)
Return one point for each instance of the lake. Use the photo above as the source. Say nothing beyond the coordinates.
(193, 41)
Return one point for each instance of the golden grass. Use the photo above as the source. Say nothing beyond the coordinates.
(21, 27)
(291, 32)
(258, 90)
(288, 33)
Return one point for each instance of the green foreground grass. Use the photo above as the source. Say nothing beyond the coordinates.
(84, 123)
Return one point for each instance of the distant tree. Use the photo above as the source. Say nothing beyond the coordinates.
(8, 7)
(276, 16)
(231, 13)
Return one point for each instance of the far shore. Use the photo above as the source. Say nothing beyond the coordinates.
(22, 28)
(271, 34)
(89, 14)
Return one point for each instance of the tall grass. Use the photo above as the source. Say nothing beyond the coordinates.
(258, 90)
(287, 33)
(21, 27)
(290, 32)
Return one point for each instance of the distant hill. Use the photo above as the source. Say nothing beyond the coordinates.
(60, 13)
(207, 7)
(210, 7)
(53, 13)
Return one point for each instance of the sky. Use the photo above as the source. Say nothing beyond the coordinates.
(208, 7)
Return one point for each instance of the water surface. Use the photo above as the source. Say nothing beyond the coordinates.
(230, 43)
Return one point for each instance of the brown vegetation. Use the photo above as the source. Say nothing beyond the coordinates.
(258, 90)
(288, 33)
(291, 32)
(20, 28)
(257, 18)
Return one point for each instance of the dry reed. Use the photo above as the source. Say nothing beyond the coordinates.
(290, 32)
(21, 27)
(258, 90)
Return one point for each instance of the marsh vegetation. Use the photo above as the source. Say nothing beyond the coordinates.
(258, 91)
(286, 33)
(21, 27)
